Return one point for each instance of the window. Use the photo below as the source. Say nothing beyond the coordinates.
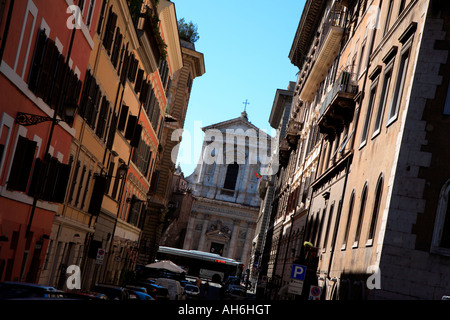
(368, 114)
(22, 163)
(47, 73)
(376, 209)
(401, 77)
(109, 30)
(349, 219)
(90, 11)
(402, 6)
(231, 176)
(361, 215)
(330, 218)
(383, 99)
(441, 234)
(102, 17)
(388, 16)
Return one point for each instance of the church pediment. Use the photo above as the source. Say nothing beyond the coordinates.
(236, 124)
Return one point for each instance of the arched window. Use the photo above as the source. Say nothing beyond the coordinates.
(349, 218)
(376, 208)
(231, 176)
(361, 214)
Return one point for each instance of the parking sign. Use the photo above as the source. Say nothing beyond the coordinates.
(298, 272)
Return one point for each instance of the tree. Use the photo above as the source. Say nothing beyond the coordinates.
(187, 31)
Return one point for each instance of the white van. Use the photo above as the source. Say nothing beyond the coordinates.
(176, 291)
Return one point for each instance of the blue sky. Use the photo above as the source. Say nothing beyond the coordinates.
(246, 46)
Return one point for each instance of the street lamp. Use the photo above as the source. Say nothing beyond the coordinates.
(149, 195)
(30, 119)
(122, 171)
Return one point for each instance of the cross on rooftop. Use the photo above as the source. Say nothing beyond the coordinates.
(245, 103)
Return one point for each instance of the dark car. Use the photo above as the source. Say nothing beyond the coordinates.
(155, 291)
(112, 292)
(86, 295)
(192, 291)
(23, 290)
(139, 292)
(236, 293)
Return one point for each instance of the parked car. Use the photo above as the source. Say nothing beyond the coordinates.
(112, 292)
(23, 290)
(139, 292)
(192, 291)
(176, 291)
(155, 291)
(234, 292)
(86, 295)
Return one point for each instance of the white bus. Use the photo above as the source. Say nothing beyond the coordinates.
(201, 264)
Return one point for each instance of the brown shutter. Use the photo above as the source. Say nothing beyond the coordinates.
(132, 121)
(123, 118)
(22, 163)
(137, 136)
(97, 195)
(37, 60)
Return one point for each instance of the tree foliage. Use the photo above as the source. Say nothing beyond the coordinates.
(187, 31)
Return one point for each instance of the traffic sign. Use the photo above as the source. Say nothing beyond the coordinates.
(315, 292)
(298, 272)
(100, 256)
(295, 286)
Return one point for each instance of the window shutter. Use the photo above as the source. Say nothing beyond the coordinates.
(136, 136)
(139, 81)
(132, 121)
(102, 16)
(123, 118)
(37, 60)
(44, 80)
(95, 109)
(37, 179)
(58, 82)
(116, 49)
(62, 180)
(85, 94)
(102, 118)
(112, 132)
(50, 179)
(125, 68)
(109, 32)
(56, 59)
(97, 195)
(144, 93)
(133, 68)
(22, 163)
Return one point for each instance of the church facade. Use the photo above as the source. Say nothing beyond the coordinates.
(225, 189)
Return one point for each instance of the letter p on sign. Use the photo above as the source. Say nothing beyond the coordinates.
(298, 272)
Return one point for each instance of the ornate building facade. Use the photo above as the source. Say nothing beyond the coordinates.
(224, 185)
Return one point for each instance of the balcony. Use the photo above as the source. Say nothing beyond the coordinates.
(323, 52)
(284, 152)
(293, 132)
(339, 106)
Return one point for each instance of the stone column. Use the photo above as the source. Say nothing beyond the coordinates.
(201, 243)
(245, 258)
(234, 236)
(190, 231)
